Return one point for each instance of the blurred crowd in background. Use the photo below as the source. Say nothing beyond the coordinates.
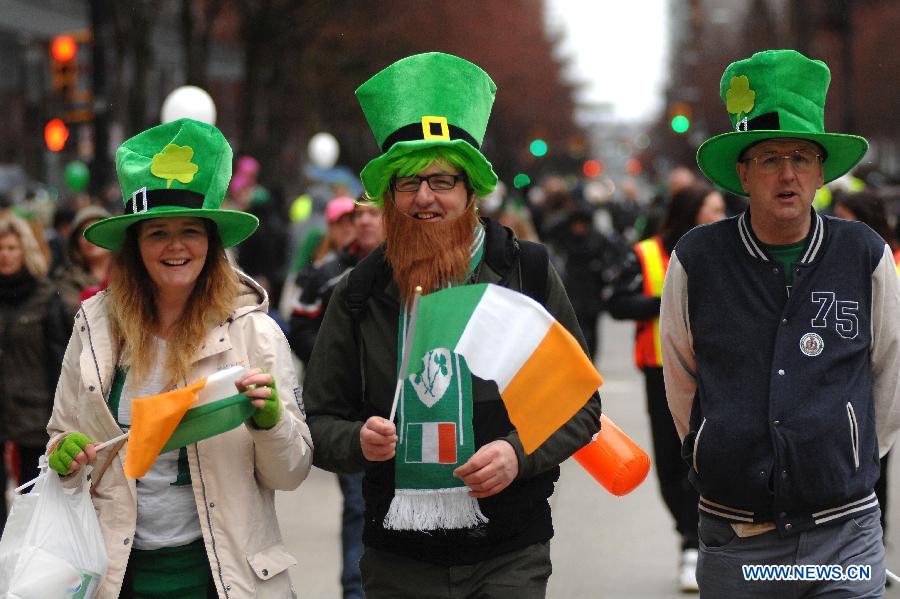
(589, 225)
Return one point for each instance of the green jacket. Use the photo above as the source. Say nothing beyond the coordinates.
(352, 375)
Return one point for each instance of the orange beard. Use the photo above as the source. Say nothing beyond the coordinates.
(429, 255)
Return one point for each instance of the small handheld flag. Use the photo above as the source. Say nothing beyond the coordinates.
(167, 421)
(543, 374)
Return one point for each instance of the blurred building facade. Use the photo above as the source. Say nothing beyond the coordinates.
(854, 37)
(278, 70)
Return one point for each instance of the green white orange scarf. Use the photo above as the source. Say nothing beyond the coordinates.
(434, 426)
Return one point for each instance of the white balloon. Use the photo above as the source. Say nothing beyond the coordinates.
(323, 150)
(189, 101)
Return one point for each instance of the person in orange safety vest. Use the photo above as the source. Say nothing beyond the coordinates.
(637, 297)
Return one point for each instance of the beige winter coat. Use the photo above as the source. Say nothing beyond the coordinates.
(234, 474)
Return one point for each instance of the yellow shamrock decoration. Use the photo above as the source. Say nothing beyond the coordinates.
(739, 97)
(174, 162)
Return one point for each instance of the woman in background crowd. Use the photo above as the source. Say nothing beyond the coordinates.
(637, 297)
(33, 333)
(86, 265)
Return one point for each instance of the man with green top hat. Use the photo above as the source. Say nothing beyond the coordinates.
(473, 520)
(781, 350)
(201, 522)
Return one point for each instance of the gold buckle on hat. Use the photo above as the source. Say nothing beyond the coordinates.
(428, 121)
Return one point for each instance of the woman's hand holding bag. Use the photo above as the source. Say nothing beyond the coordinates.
(52, 545)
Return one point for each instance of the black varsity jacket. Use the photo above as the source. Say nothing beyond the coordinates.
(781, 398)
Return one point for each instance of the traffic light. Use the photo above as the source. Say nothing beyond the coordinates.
(56, 133)
(63, 50)
(592, 168)
(680, 115)
(680, 123)
(633, 167)
(538, 147)
(521, 180)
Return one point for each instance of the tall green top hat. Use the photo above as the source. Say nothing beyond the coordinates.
(177, 169)
(773, 94)
(424, 101)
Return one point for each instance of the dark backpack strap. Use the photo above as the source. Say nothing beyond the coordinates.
(361, 281)
(534, 265)
(360, 285)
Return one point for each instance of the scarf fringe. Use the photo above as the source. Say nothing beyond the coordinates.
(433, 509)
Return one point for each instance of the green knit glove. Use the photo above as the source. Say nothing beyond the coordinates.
(65, 451)
(268, 416)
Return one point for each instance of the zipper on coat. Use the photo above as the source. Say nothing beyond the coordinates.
(854, 434)
(697, 445)
(217, 571)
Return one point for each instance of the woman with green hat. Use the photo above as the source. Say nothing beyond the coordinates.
(201, 522)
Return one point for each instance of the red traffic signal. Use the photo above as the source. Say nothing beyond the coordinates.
(633, 167)
(592, 168)
(63, 48)
(56, 133)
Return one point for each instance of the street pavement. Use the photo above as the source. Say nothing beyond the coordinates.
(605, 546)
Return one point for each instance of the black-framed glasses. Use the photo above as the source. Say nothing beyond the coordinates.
(802, 161)
(437, 182)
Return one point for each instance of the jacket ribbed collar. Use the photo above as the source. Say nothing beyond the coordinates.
(755, 247)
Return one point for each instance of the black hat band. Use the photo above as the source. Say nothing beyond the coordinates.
(430, 127)
(143, 200)
(764, 122)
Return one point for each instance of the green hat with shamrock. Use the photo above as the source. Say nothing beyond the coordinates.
(776, 94)
(177, 169)
(431, 100)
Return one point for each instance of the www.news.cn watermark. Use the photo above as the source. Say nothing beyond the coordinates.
(807, 572)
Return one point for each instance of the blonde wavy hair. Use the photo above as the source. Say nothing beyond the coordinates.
(33, 258)
(133, 314)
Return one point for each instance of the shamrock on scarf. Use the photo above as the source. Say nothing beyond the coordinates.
(174, 162)
(434, 380)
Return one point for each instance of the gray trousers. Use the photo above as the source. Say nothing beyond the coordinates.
(854, 542)
(519, 574)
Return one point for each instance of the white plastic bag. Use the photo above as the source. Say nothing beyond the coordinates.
(52, 547)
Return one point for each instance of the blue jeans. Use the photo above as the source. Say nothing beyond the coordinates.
(351, 534)
(853, 542)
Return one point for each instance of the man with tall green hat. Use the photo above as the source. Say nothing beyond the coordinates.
(781, 350)
(477, 522)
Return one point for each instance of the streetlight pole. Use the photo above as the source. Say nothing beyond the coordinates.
(100, 167)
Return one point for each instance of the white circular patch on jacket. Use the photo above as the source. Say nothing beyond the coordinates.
(812, 344)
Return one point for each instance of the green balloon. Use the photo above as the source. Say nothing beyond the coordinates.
(77, 176)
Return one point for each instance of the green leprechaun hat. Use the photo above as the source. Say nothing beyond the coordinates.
(774, 94)
(425, 101)
(177, 169)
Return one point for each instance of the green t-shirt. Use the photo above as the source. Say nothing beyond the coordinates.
(787, 255)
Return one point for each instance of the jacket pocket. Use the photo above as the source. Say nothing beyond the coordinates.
(271, 561)
(697, 447)
(854, 435)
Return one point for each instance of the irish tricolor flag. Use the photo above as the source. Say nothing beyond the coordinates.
(542, 372)
(171, 420)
